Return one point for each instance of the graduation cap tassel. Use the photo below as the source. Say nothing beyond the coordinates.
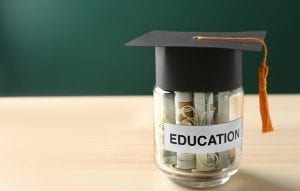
(262, 74)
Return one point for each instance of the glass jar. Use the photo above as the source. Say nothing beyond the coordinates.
(198, 135)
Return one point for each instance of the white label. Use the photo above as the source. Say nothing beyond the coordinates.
(203, 139)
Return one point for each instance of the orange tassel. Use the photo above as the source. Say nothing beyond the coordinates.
(263, 99)
(262, 73)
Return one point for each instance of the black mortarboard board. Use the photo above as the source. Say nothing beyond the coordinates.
(183, 63)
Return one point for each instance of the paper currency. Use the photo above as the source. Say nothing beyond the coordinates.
(185, 116)
(235, 112)
(164, 113)
(203, 103)
(223, 117)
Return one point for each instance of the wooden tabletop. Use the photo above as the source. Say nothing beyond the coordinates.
(106, 143)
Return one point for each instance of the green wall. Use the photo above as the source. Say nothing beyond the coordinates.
(75, 47)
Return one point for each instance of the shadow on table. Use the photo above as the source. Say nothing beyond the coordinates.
(244, 181)
(247, 181)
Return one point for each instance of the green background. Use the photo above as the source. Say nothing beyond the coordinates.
(75, 47)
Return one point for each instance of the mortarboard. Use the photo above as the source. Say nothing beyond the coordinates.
(206, 61)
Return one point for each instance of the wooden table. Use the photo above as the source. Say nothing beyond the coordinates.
(106, 143)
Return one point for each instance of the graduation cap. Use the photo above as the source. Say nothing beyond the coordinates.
(206, 62)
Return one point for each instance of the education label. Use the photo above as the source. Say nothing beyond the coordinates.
(203, 139)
